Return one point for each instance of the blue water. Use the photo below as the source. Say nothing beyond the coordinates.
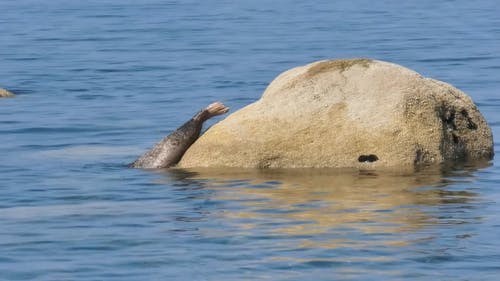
(98, 82)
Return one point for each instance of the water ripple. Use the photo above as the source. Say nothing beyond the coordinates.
(98, 82)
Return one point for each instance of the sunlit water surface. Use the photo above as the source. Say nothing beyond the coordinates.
(99, 82)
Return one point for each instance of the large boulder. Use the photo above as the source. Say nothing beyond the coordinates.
(4, 93)
(347, 113)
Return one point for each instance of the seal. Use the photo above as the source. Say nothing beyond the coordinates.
(170, 150)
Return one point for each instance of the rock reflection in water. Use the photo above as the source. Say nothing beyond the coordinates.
(327, 208)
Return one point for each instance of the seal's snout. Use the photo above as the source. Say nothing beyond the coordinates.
(216, 108)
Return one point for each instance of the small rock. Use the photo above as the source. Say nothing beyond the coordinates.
(347, 113)
(4, 93)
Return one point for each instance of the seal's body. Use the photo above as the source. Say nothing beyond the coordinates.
(170, 150)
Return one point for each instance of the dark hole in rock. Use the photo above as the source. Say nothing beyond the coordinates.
(368, 158)
(470, 124)
(448, 117)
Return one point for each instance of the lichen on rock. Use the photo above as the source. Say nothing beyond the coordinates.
(347, 113)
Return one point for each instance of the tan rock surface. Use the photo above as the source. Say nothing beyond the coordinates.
(4, 93)
(347, 113)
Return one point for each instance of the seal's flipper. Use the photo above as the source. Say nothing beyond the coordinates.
(216, 108)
